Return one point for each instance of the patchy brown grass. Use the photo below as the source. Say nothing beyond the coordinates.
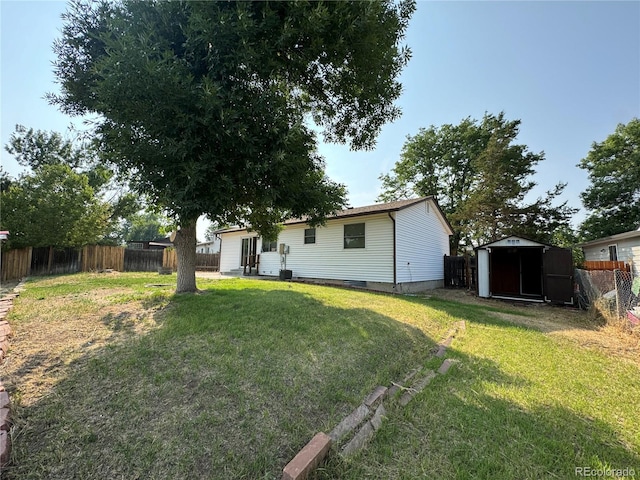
(577, 326)
(43, 350)
(233, 382)
(226, 384)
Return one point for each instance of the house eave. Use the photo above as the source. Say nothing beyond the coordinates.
(366, 211)
(612, 238)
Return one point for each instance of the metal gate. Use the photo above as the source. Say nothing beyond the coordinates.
(557, 267)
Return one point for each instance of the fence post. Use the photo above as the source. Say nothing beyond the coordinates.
(50, 260)
(467, 270)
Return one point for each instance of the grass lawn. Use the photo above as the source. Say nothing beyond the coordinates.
(113, 376)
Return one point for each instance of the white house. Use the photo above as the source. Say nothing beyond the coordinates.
(397, 246)
(623, 247)
(212, 246)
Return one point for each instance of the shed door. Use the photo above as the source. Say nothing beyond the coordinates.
(557, 265)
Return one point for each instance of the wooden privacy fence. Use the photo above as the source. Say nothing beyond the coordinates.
(15, 264)
(204, 261)
(169, 259)
(606, 265)
(142, 260)
(20, 263)
(459, 271)
(99, 257)
(207, 261)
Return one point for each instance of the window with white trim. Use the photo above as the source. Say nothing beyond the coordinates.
(268, 246)
(309, 235)
(354, 235)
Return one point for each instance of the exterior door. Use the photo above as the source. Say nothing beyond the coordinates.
(557, 265)
(248, 251)
(505, 271)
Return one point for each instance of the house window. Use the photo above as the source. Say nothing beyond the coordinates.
(309, 235)
(269, 246)
(354, 235)
(136, 245)
(613, 253)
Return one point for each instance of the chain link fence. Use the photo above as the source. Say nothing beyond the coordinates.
(615, 294)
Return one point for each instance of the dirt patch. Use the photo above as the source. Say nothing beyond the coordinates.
(56, 335)
(567, 323)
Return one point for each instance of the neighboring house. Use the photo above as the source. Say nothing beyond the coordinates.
(522, 269)
(397, 246)
(212, 246)
(155, 244)
(623, 247)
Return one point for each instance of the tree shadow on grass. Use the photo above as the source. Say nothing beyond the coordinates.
(231, 385)
(481, 422)
(458, 428)
(235, 381)
(540, 317)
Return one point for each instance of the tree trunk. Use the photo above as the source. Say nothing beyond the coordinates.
(185, 244)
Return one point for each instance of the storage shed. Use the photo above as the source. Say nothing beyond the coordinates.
(519, 268)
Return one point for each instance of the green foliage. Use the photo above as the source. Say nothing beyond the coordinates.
(614, 194)
(209, 235)
(55, 206)
(36, 149)
(145, 226)
(219, 96)
(5, 180)
(566, 237)
(480, 178)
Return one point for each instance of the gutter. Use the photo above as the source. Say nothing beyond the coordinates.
(394, 250)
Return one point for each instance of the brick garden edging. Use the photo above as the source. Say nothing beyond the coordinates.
(356, 429)
(6, 304)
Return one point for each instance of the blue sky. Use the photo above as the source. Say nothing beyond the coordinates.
(569, 70)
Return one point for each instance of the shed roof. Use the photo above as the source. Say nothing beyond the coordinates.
(513, 241)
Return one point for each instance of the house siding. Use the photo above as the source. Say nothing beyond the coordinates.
(636, 260)
(328, 259)
(231, 249)
(625, 254)
(422, 242)
(212, 246)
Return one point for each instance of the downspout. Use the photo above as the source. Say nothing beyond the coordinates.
(395, 278)
(219, 237)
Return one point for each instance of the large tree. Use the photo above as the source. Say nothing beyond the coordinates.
(35, 149)
(480, 177)
(207, 106)
(53, 206)
(613, 197)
